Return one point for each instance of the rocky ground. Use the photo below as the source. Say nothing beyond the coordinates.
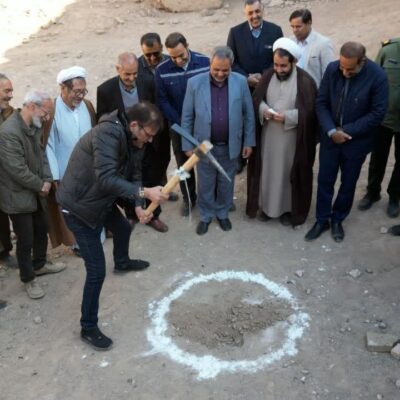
(340, 291)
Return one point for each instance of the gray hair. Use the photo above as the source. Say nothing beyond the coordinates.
(35, 96)
(222, 52)
(3, 77)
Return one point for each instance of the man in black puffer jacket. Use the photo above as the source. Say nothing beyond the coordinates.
(105, 166)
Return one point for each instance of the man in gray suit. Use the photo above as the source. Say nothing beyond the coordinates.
(218, 107)
(317, 50)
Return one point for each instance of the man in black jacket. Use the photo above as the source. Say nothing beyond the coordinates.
(130, 86)
(100, 171)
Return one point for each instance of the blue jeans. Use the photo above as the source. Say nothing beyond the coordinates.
(92, 253)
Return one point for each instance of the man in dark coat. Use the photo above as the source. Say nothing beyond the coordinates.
(300, 173)
(351, 103)
(100, 172)
(130, 86)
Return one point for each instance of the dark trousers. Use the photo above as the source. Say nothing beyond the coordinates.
(31, 232)
(331, 159)
(377, 165)
(181, 158)
(5, 235)
(215, 191)
(92, 253)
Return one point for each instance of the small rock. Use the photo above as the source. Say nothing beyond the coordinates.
(342, 330)
(382, 325)
(100, 32)
(395, 352)
(384, 230)
(299, 273)
(355, 273)
(37, 320)
(305, 372)
(379, 396)
(303, 379)
(308, 291)
(161, 22)
(398, 383)
(369, 270)
(380, 342)
(175, 22)
(206, 13)
(119, 20)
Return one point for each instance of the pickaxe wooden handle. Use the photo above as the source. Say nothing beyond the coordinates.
(204, 147)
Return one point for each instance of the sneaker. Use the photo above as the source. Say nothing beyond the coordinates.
(34, 290)
(50, 268)
(131, 265)
(95, 338)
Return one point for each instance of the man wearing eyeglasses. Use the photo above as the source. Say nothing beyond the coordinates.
(25, 181)
(104, 167)
(73, 116)
(122, 92)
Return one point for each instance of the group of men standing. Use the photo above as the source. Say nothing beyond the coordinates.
(262, 99)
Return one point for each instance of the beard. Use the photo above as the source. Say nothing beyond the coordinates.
(283, 76)
(37, 122)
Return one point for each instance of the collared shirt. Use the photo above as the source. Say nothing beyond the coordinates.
(68, 126)
(129, 96)
(256, 32)
(219, 111)
(305, 48)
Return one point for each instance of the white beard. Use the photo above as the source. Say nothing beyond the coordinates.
(36, 121)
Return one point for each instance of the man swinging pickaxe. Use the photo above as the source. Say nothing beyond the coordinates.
(202, 150)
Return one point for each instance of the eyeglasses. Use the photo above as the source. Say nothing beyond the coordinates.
(43, 110)
(154, 54)
(79, 92)
(148, 134)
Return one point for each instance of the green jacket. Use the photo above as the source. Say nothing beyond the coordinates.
(23, 166)
(389, 59)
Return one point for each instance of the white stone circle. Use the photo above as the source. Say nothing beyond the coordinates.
(208, 366)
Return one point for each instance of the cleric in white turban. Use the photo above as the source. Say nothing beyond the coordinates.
(288, 45)
(71, 73)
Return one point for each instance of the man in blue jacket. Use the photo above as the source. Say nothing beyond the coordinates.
(171, 80)
(351, 103)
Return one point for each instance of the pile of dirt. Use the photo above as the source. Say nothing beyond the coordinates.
(187, 5)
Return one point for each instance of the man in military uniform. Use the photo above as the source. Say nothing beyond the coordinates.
(389, 59)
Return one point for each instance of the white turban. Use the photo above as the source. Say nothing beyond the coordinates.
(288, 45)
(71, 73)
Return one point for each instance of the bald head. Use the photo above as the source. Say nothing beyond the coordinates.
(6, 92)
(352, 58)
(127, 68)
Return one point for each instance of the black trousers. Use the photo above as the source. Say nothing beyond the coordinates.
(31, 232)
(5, 235)
(181, 158)
(377, 165)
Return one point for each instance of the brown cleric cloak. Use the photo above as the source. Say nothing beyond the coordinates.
(58, 231)
(301, 175)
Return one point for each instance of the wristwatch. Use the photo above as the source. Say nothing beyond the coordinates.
(141, 192)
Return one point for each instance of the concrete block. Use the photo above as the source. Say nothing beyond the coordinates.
(380, 342)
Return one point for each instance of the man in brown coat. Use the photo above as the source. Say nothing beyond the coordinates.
(25, 181)
(279, 180)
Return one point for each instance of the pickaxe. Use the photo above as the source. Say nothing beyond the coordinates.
(202, 150)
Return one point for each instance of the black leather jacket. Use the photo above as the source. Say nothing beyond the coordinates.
(103, 167)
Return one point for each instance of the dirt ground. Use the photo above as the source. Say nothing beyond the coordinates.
(41, 356)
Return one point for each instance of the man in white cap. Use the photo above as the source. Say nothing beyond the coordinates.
(280, 169)
(73, 116)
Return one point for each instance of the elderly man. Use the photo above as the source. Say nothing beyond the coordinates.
(171, 80)
(6, 94)
(218, 108)
(25, 179)
(98, 174)
(351, 103)
(251, 43)
(316, 49)
(73, 116)
(280, 171)
(389, 59)
(121, 92)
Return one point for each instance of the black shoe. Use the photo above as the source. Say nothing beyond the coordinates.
(286, 219)
(77, 251)
(185, 211)
(9, 261)
(233, 208)
(202, 228)
(367, 201)
(225, 224)
(96, 339)
(392, 210)
(316, 231)
(131, 265)
(242, 162)
(337, 231)
(173, 196)
(394, 230)
(3, 304)
(263, 217)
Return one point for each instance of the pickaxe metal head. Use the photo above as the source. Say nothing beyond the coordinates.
(202, 149)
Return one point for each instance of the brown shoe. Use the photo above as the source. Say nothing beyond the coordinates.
(158, 225)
